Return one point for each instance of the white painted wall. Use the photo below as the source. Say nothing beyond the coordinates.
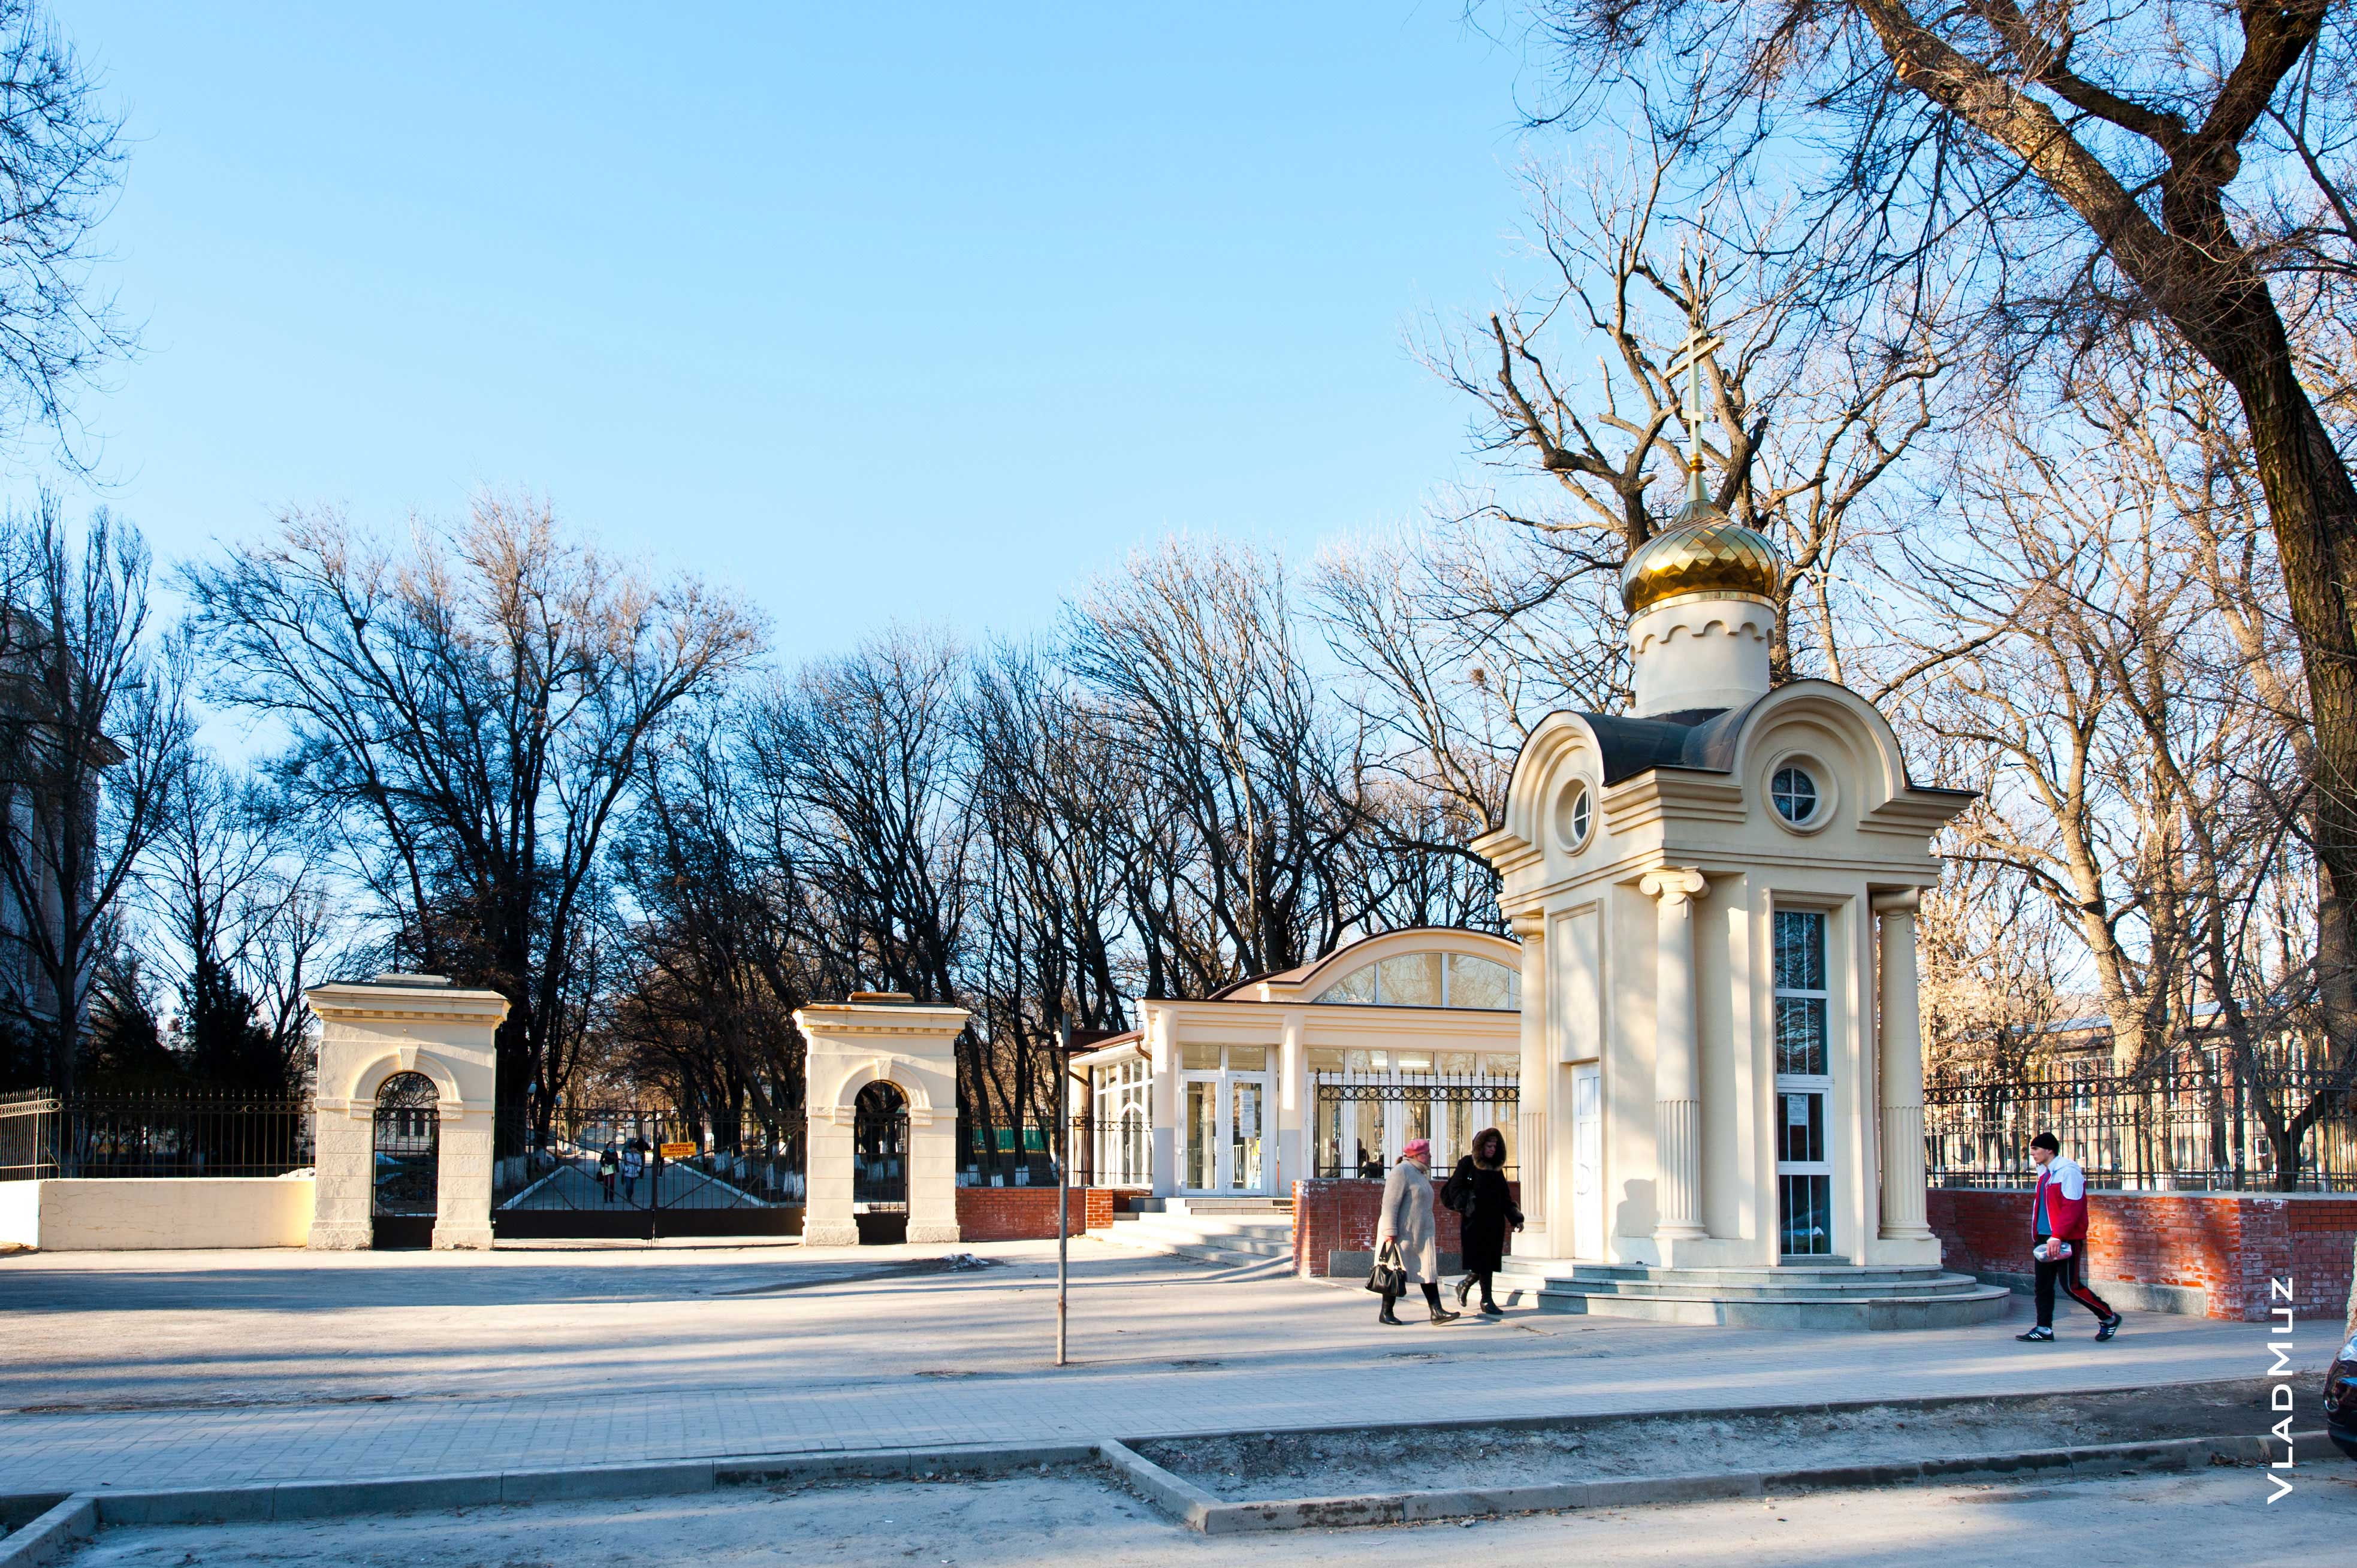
(171, 1214)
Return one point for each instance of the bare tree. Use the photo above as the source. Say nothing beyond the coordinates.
(1798, 426)
(1048, 915)
(468, 715)
(61, 156)
(233, 875)
(861, 774)
(93, 734)
(2133, 713)
(2043, 181)
(1996, 955)
(710, 969)
(2060, 569)
(1458, 644)
(1243, 785)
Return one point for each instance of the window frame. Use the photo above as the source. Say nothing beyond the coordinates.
(1449, 957)
(1822, 780)
(1819, 1085)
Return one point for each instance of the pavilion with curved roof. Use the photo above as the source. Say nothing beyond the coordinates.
(1323, 1070)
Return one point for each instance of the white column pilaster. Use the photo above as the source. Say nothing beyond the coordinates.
(1901, 1073)
(1294, 1106)
(932, 1175)
(1162, 1052)
(1537, 1082)
(343, 1149)
(827, 1154)
(462, 1221)
(1677, 1065)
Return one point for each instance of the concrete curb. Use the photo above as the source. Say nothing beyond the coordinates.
(82, 1514)
(1183, 1500)
(2256, 1387)
(50, 1534)
(1401, 1508)
(66, 1521)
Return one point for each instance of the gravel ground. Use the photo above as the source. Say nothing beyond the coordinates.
(1249, 1467)
(1066, 1520)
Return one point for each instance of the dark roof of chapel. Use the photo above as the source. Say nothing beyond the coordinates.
(1703, 739)
(1700, 738)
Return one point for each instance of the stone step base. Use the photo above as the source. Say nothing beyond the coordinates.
(1250, 1233)
(1818, 1298)
(1252, 1240)
(1201, 1249)
(1262, 1206)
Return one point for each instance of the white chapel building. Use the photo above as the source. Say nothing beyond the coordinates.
(1711, 1029)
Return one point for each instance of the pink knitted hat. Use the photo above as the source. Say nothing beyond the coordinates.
(1418, 1149)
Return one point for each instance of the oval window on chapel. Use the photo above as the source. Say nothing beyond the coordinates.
(1575, 813)
(1794, 793)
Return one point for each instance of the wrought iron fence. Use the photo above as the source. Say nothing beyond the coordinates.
(1365, 1119)
(1113, 1151)
(2178, 1131)
(994, 1155)
(29, 1136)
(160, 1134)
(641, 1156)
(1104, 1151)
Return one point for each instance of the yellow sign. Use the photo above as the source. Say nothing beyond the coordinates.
(679, 1151)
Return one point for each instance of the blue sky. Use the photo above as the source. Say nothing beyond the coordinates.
(939, 309)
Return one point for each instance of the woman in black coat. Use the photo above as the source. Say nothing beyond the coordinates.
(1478, 1192)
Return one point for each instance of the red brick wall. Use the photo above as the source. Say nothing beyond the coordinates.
(2229, 1244)
(1337, 1214)
(1028, 1213)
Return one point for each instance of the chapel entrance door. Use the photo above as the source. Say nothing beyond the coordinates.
(1588, 1163)
(1805, 1172)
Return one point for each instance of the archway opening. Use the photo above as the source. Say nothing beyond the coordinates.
(407, 1159)
(880, 1164)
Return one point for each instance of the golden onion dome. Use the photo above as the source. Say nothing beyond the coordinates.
(1703, 551)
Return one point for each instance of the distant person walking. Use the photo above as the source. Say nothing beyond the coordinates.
(2059, 1233)
(634, 1166)
(1477, 1192)
(607, 1162)
(1408, 1226)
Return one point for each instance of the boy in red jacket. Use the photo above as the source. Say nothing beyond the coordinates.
(2059, 1223)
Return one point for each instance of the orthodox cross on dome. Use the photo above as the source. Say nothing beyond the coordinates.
(1698, 345)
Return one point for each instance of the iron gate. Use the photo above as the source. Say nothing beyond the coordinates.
(880, 1165)
(638, 1172)
(408, 1149)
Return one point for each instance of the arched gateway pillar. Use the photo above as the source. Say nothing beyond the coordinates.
(375, 1031)
(880, 1037)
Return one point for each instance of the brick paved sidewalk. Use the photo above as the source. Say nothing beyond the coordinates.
(184, 1369)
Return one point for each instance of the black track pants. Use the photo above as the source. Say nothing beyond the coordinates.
(2073, 1273)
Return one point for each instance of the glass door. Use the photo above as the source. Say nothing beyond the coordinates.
(1199, 1164)
(1247, 1099)
(1805, 1172)
(1226, 1128)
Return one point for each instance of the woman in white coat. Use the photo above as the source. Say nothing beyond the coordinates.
(1407, 1225)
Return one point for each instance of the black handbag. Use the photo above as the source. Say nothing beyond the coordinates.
(1387, 1278)
(1456, 1195)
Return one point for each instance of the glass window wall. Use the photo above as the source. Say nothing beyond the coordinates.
(1430, 980)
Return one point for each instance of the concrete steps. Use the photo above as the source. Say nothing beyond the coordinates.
(1798, 1296)
(1254, 1234)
